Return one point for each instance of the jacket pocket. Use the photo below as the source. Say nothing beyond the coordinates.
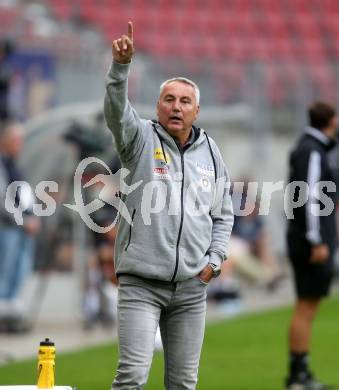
(130, 231)
(202, 281)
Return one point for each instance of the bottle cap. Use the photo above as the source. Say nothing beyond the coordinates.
(47, 343)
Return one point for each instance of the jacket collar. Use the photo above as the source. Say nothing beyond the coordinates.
(198, 134)
(321, 137)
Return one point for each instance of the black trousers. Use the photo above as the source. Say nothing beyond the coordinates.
(311, 280)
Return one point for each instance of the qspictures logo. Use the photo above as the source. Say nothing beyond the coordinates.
(163, 193)
(85, 210)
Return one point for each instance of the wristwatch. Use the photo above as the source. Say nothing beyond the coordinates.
(216, 269)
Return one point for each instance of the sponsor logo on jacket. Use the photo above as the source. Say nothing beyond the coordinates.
(204, 169)
(161, 173)
(159, 155)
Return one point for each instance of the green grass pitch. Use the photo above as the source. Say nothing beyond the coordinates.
(246, 353)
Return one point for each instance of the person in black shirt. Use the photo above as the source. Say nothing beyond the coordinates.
(311, 237)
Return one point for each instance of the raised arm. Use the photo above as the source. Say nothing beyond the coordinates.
(121, 118)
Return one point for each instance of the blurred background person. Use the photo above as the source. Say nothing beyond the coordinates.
(100, 283)
(311, 237)
(100, 296)
(16, 242)
(252, 253)
(252, 262)
(6, 49)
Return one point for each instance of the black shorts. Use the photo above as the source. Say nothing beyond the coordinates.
(311, 280)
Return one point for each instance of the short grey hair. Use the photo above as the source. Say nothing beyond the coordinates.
(185, 81)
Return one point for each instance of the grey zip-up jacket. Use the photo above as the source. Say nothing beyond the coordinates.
(181, 212)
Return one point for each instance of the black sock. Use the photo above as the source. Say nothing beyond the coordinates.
(298, 364)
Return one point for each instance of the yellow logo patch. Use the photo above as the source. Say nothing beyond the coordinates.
(159, 155)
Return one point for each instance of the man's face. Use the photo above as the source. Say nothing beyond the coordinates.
(177, 107)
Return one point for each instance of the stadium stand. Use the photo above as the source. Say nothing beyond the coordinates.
(240, 32)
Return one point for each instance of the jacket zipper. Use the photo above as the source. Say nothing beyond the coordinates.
(182, 213)
(130, 230)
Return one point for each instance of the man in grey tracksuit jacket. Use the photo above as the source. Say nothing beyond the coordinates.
(175, 235)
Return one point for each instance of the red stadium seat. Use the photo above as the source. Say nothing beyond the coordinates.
(334, 54)
(241, 6)
(301, 7)
(329, 7)
(269, 6)
(283, 49)
(275, 26)
(308, 27)
(211, 48)
(332, 24)
(62, 10)
(314, 52)
(165, 23)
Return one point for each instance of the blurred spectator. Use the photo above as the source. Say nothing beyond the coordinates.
(17, 99)
(5, 77)
(40, 93)
(250, 252)
(99, 303)
(16, 242)
(251, 256)
(100, 297)
(52, 247)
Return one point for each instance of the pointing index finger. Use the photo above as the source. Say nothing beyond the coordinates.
(130, 31)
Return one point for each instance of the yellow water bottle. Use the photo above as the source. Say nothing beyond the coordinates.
(46, 365)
